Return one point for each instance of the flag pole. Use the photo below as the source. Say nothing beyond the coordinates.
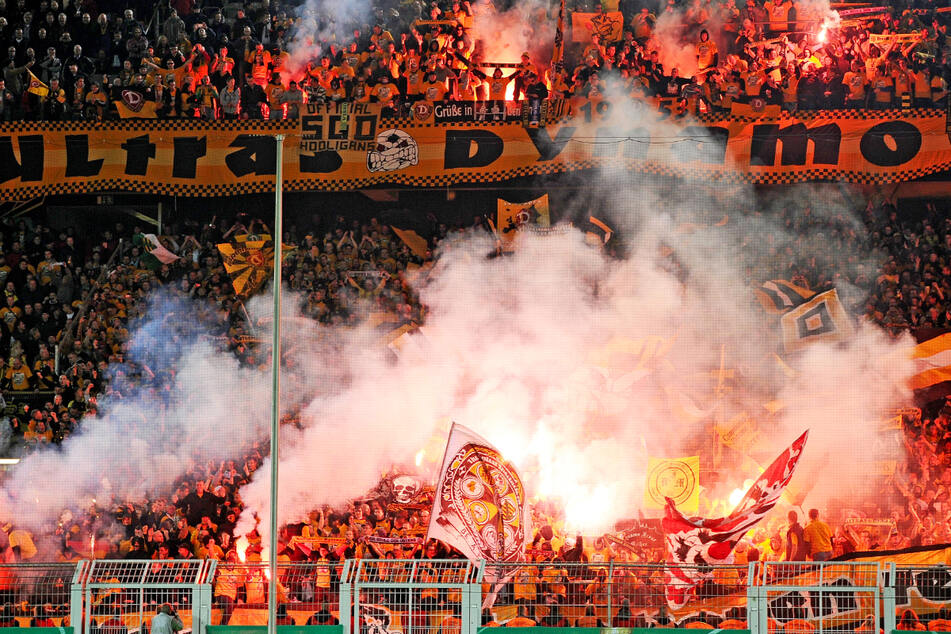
(442, 470)
(275, 381)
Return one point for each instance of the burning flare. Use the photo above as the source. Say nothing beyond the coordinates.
(241, 547)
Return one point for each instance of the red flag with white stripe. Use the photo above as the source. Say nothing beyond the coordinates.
(695, 544)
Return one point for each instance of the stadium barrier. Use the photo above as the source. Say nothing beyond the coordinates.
(460, 597)
(122, 596)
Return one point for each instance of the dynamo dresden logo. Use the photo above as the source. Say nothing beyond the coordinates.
(422, 110)
(133, 100)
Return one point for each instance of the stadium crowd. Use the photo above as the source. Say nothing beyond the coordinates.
(81, 295)
(199, 59)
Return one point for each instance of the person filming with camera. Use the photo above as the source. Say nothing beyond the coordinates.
(166, 621)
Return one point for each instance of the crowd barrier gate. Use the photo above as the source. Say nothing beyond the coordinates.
(121, 596)
(415, 596)
(801, 598)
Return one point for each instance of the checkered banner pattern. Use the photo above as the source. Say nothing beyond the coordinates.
(342, 149)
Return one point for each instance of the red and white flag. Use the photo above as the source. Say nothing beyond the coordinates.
(695, 544)
(480, 506)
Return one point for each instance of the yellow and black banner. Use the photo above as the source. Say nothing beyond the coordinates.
(675, 478)
(340, 148)
(607, 26)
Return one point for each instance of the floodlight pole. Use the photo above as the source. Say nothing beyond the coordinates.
(275, 380)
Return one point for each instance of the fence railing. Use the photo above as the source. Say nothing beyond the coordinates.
(120, 596)
(459, 597)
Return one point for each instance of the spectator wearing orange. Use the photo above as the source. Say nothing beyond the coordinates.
(498, 85)
(384, 92)
(260, 61)
(707, 54)
(855, 86)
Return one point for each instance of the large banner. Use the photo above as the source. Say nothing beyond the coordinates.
(335, 148)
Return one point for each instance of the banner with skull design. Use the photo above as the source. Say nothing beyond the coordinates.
(695, 544)
(480, 507)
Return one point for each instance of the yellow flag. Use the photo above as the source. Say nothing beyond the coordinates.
(36, 86)
(416, 243)
(249, 261)
(675, 478)
(514, 216)
(608, 26)
(140, 110)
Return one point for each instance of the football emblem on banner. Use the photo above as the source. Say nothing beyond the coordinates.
(422, 110)
(486, 494)
(133, 100)
(674, 478)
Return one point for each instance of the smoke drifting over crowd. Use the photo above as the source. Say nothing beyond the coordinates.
(504, 35)
(320, 24)
(575, 365)
(578, 367)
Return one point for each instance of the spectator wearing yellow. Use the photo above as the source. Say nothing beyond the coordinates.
(819, 537)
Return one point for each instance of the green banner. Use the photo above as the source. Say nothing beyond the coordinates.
(262, 629)
(595, 630)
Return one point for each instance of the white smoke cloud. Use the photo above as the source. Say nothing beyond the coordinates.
(577, 366)
(504, 35)
(322, 23)
(543, 353)
(146, 439)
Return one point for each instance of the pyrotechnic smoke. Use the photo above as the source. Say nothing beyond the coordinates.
(148, 438)
(677, 32)
(575, 365)
(322, 23)
(504, 36)
(578, 367)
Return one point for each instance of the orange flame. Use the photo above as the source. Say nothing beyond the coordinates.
(241, 547)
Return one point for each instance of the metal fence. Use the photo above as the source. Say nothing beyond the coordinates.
(36, 595)
(612, 595)
(416, 596)
(308, 593)
(801, 598)
(458, 597)
(922, 596)
(121, 597)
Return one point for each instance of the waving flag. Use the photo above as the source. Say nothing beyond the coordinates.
(512, 217)
(249, 261)
(822, 318)
(695, 544)
(480, 506)
(932, 358)
(608, 26)
(558, 50)
(778, 296)
(155, 254)
(37, 87)
(676, 479)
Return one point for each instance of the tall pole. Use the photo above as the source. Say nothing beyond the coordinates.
(275, 382)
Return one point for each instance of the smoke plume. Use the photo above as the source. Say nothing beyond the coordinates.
(578, 366)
